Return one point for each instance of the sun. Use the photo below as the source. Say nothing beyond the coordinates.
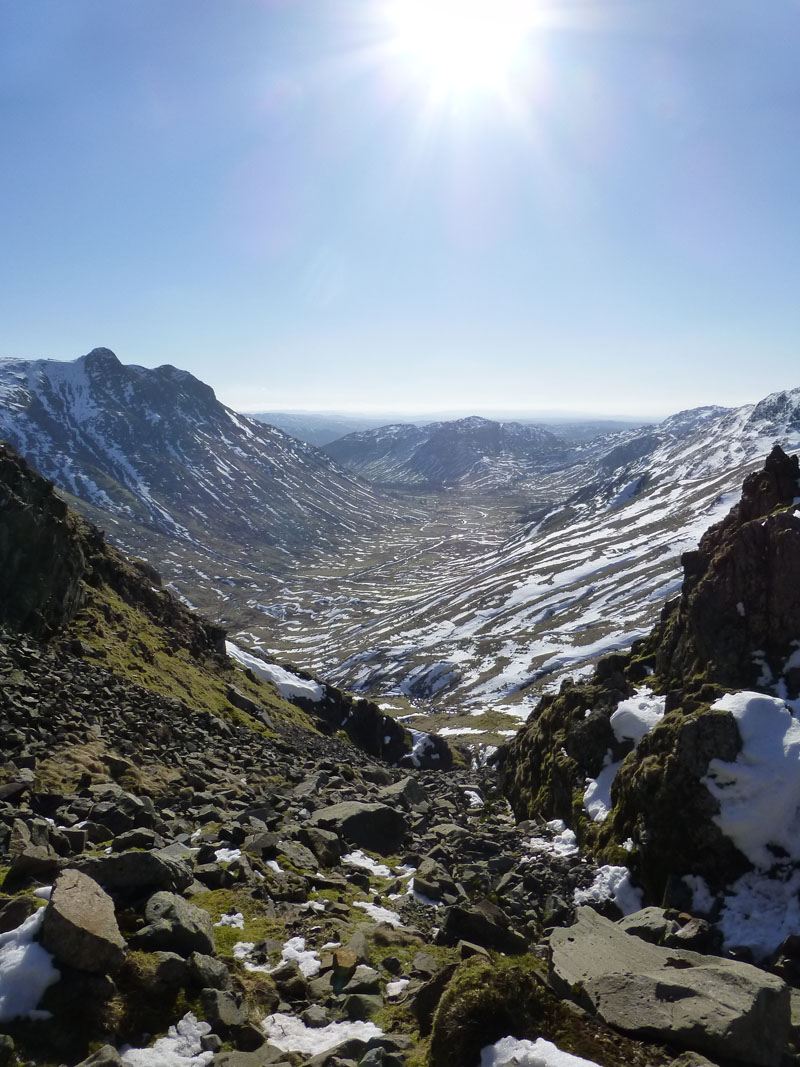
(463, 46)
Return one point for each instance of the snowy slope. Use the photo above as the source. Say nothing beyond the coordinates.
(474, 453)
(156, 448)
(589, 577)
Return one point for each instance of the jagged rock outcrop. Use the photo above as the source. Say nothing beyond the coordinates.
(48, 556)
(737, 621)
(735, 625)
(563, 742)
(42, 563)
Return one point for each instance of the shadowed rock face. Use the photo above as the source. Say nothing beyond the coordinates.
(739, 608)
(41, 559)
(48, 554)
(735, 626)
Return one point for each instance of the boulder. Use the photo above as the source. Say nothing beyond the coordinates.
(131, 874)
(484, 924)
(79, 925)
(175, 925)
(407, 792)
(432, 880)
(716, 1006)
(373, 826)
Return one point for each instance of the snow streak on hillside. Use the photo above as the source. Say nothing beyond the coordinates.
(589, 577)
(155, 448)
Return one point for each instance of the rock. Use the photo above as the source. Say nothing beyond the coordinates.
(315, 1017)
(222, 1010)
(175, 925)
(691, 1059)
(407, 792)
(106, 1056)
(432, 880)
(650, 924)
(243, 702)
(325, 845)
(79, 925)
(8, 1056)
(424, 1003)
(207, 971)
(376, 827)
(362, 1006)
(14, 911)
(704, 1003)
(465, 949)
(289, 980)
(751, 558)
(364, 980)
(484, 1001)
(486, 925)
(266, 1054)
(298, 855)
(41, 558)
(131, 874)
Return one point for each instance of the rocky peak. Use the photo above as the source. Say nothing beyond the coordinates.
(100, 360)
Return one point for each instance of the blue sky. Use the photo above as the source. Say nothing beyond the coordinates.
(281, 197)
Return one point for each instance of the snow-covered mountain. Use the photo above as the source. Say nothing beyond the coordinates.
(474, 598)
(472, 453)
(154, 450)
(589, 576)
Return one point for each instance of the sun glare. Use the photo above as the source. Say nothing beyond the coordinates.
(463, 45)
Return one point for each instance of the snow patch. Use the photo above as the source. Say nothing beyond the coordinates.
(611, 883)
(290, 1034)
(182, 1047)
(288, 685)
(513, 1052)
(26, 971)
(367, 863)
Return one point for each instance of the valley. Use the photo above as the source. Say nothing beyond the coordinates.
(522, 558)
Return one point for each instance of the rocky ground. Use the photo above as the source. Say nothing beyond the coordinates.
(303, 901)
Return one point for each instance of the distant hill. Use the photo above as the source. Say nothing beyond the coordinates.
(472, 452)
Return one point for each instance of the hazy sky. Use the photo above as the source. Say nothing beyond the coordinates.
(327, 204)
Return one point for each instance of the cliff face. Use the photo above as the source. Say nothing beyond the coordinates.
(42, 562)
(49, 558)
(738, 617)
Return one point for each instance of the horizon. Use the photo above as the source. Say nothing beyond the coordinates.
(507, 413)
(484, 206)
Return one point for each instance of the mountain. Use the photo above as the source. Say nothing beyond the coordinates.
(586, 577)
(473, 453)
(176, 476)
(474, 598)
